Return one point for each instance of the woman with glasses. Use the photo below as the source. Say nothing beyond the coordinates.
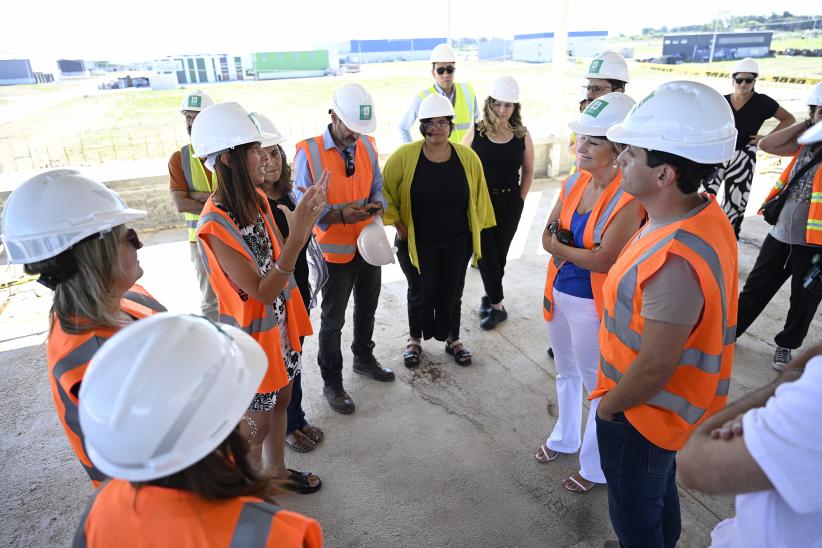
(751, 110)
(72, 232)
(438, 201)
(505, 148)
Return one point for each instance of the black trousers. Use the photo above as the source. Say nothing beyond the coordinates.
(497, 240)
(364, 279)
(776, 263)
(435, 291)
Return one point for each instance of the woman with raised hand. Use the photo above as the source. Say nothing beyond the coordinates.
(587, 229)
(251, 268)
(72, 232)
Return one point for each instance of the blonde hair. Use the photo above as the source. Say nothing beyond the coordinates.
(491, 122)
(80, 301)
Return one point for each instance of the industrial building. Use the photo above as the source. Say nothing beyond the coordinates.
(495, 49)
(274, 65)
(539, 48)
(19, 71)
(72, 68)
(380, 51)
(696, 48)
(204, 68)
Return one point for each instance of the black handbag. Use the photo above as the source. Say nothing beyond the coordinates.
(773, 207)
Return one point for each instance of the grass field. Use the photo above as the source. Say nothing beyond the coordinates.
(137, 124)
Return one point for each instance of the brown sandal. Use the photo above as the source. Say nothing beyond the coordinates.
(300, 442)
(314, 433)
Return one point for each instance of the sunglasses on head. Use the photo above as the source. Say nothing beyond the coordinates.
(133, 239)
(746, 80)
(443, 70)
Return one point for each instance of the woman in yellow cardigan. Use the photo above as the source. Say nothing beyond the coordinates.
(438, 201)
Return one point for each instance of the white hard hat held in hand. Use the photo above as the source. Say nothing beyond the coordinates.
(355, 107)
(57, 209)
(225, 126)
(602, 113)
(373, 244)
(433, 106)
(164, 392)
(684, 118)
(196, 101)
(608, 65)
(443, 53)
(505, 89)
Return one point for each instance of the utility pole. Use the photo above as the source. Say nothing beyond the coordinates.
(449, 23)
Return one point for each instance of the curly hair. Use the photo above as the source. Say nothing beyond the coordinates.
(491, 122)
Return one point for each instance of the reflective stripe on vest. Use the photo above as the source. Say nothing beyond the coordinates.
(145, 300)
(185, 163)
(813, 228)
(599, 228)
(254, 525)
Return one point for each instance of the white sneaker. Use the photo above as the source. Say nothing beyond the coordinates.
(781, 358)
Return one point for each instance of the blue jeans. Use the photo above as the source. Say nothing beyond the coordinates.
(642, 498)
(296, 415)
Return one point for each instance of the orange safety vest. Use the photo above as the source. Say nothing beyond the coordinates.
(610, 202)
(699, 385)
(813, 230)
(339, 241)
(121, 515)
(255, 318)
(68, 356)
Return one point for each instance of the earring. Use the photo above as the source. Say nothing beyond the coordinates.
(615, 163)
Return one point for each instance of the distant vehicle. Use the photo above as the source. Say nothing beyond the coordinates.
(349, 68)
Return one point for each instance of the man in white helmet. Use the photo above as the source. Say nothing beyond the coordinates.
(462, 96)
(190, 184)
(354, 198)
(669, 308)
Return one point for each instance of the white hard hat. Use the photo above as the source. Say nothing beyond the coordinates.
(164, 392)
(505, 89)
(602, 113)
(608, 65)
(684, 118)
(746, 65)
(52, 211)
(268, 127)
(225, 126)
(443, 53)
(815, 98)
(373, 245)
(813, 135)
(435, 105)
(355, 107)
(196, 101)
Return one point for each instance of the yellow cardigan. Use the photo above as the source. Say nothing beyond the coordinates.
(398, 174)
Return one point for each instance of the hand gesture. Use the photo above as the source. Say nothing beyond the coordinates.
(309, 209)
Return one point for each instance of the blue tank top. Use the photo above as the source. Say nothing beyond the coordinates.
(571, 279)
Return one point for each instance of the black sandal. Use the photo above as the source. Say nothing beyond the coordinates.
(461, 356)
(411, 356)
(299, 482)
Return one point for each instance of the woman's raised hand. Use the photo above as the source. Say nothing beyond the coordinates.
(309, 209)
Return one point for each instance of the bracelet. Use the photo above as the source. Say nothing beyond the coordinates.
(281, 271)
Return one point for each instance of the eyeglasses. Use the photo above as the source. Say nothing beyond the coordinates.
(596, 89)
(443, 70)
(349, 163)
(133, 239)
(746, 80)
(439, 124)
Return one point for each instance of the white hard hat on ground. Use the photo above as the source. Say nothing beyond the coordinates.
(53, 211)
(268, 127)
(355, 107)
(603, 113)
(373, 245)
(608, 65)
(746, 65)
(225, 126)
(684, 118)
(164, 392)
(196, 101)
(813, 135)
(505, 89)
(433, 106)
(443, 53)
(815, 98)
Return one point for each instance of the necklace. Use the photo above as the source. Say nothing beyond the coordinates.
(436, 156)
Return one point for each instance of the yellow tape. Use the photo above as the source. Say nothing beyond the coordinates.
(688, 69)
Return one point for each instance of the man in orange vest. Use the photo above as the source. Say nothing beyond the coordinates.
(354, 197)
(669, 308)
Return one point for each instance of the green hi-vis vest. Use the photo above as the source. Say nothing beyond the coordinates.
(464, 113)
(197, 181)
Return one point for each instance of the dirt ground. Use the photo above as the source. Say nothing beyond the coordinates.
(444, 456)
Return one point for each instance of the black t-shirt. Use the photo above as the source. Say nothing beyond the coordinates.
(301, 266)
(439, 200)
(751, 116)
(500, 161)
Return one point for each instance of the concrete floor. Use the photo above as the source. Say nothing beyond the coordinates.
(444, 456)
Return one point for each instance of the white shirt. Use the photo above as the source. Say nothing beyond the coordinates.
(785, 439)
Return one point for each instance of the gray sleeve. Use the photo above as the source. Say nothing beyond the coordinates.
(673, 294)
(408, 120)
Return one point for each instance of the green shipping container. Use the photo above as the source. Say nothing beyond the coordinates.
(291, 60)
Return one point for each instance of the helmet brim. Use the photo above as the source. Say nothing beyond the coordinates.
(582, 129)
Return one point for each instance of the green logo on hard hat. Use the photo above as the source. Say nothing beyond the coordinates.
(595, 108)
(643, 101)
(365, 112)
(195, 101)
(596, 64)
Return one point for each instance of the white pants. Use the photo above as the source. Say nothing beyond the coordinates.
(574, 335)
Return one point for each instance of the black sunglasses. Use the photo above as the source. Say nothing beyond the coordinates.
(746, 80)
(133, 239)
(443, 70)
